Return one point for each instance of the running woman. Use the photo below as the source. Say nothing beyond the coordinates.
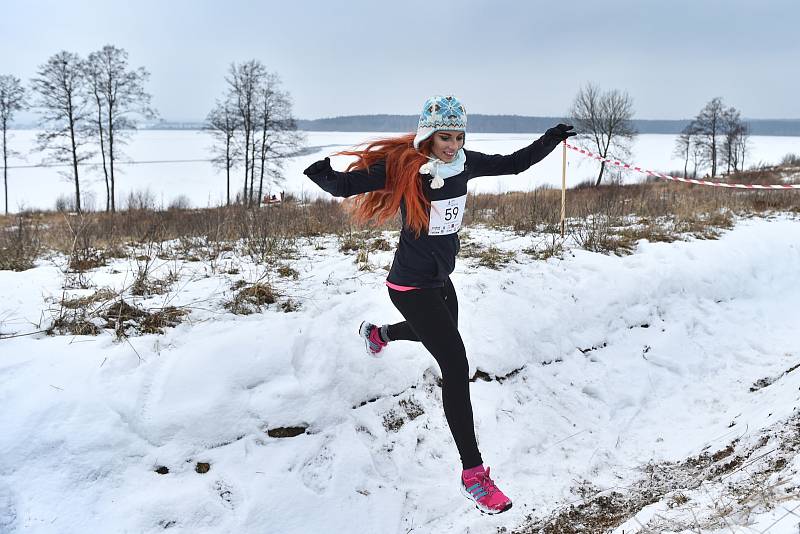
(425, 175)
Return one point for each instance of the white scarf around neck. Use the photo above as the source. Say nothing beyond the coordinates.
(440, 170)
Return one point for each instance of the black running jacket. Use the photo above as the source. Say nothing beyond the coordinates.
(428, 260)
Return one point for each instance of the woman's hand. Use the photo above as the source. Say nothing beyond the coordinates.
(318, 168)
(560, 133)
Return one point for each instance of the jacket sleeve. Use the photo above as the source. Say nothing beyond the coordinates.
(345, 184)
(521, 160)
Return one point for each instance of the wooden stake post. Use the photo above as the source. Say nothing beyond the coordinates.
(563, 189)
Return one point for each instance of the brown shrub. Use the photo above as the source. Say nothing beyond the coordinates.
(20, 243)
(249, 299)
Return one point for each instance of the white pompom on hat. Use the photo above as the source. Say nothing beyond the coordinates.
(440, 113)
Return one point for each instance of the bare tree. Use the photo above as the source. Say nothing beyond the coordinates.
(224, 122)
(710, 127)
(603, 120)
(734, 144)
(278, 136)
(683, 147)
(93, 74)
(12, 99)
(62, 100)
(119, 99)
(722, 136)
(742, 144)
(243, 81)
(698, 157)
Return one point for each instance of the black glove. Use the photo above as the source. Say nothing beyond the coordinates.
(559, 133)
(318, 168)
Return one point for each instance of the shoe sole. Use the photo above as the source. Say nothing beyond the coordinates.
(482, 509)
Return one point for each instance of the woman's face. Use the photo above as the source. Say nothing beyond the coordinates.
(446, 143)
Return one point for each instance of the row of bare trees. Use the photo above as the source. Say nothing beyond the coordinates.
(717, 136)
(91, 105)
(254, 128)
(86, 106)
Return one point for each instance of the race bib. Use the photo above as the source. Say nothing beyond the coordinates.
(446, 215)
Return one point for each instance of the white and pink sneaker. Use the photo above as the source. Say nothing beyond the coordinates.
(372, 338)
(480, 489)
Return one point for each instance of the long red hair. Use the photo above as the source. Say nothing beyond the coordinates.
(402, 182)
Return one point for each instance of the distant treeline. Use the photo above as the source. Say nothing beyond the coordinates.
(481, 124)
(520, 124)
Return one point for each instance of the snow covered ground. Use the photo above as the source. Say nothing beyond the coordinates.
(598, 366)
(204, 186)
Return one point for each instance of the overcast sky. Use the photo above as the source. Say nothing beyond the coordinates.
(524, 57)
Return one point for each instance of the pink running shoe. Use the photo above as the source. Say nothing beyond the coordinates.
(372, 338)
(479, 488)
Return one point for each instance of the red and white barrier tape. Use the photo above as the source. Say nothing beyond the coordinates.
(678, 179)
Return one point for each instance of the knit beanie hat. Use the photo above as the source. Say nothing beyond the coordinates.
(440, 113)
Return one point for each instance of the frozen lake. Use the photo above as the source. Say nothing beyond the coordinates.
(204, 185)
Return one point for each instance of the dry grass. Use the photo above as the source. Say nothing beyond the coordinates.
(539, 211)
(155, 322)
(98, 297)
(249, 298)
(487, 256)
(288, 272)
(703, 493)
(107, 310)
(20, 242)
(125, 319)
(608, 219)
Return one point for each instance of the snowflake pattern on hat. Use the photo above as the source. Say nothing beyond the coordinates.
(443, 113)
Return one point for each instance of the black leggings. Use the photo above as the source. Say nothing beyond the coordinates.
(432, 318)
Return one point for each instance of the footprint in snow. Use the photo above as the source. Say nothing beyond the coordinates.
(316, 471)
(228, 498)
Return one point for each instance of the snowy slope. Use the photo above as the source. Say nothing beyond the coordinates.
(598, 365)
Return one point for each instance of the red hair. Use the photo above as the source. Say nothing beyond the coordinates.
(402, 182)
